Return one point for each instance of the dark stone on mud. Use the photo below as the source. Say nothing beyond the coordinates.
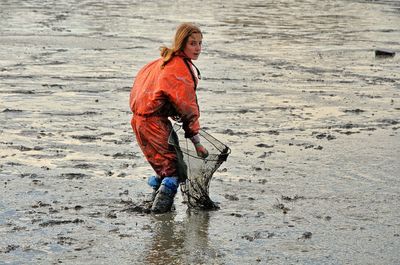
(243, 111)
(74, 176)
(262, 181)
(85, 137)
(384, 53)
(248, 237)
(330, 137)
(231, 197)
(83, 166)
(273, 132)
(349, 132)
(265, 154)
(259, 235)
(236, 215)
(94, 214)
(62, 240)
(306, 235)
(121, 175)
(23, 148)
(52, 210)
(260, 214)
(125, 192)
(60, 222)
(390, 121)
(111, 214)
(53, 86)
(13, 164)
(328, 218)
(11, 110)
(9, 248)
(123, 155)
(40, 204)
(324, 135)
(36, 182)
(107, 134)
(348, 126)
(282, 207)
(294, 198)
(264, 145)
(356, 111)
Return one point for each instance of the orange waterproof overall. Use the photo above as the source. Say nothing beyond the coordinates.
(159, 93)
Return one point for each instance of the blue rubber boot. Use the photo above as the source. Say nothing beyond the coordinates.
(154, 182)
(165, 195)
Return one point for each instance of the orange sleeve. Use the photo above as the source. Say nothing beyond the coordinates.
(181, 93)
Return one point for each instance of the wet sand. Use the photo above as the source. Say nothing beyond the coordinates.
(293, 87)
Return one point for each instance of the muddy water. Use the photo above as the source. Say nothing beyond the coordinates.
(293, 87)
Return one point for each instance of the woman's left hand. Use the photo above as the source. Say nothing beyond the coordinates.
(201, 150)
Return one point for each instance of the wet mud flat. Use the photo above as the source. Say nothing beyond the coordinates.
(294, 89)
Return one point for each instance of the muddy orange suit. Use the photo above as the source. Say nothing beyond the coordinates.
(159, 93)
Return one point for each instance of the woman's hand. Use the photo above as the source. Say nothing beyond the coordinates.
(201, 150)
(177, 118)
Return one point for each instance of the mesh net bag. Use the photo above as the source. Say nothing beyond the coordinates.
(194, 172)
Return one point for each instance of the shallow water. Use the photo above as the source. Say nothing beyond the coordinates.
(293, 87)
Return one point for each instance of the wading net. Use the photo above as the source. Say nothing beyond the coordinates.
(195, 173)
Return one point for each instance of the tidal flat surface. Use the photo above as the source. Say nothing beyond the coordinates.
(292, 87)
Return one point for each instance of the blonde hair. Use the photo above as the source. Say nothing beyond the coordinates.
(182, 35)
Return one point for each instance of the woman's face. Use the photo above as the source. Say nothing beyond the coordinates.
(192, 48)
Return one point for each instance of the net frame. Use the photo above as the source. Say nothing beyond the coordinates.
(195, 173)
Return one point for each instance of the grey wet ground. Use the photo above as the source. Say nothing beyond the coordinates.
(293, 87)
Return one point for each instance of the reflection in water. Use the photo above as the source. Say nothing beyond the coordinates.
(177, 242)
(197, 241)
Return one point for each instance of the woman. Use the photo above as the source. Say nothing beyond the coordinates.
(166, 88)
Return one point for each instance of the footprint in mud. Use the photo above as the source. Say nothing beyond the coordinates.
(142, 209)
(143, 206)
